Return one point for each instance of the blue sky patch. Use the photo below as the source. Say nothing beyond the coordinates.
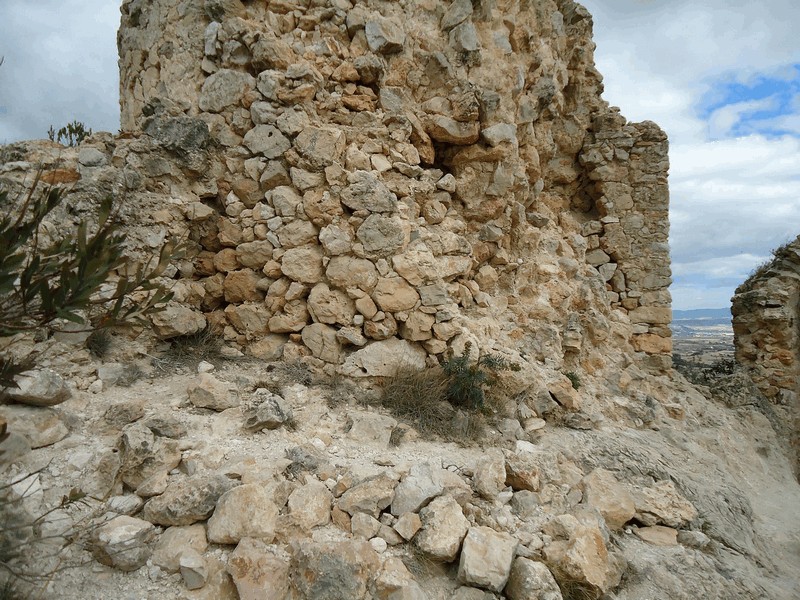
(766, 105)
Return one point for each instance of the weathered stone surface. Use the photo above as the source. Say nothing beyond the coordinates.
(456, 13)
(444, 527)
(320, 146)
(602, 491)
(330, 306)
(486, 558)
(531, 580)
(242, 286)
(383, 359)
(444, 129)
(303, 264)
(310, 505)
(123, 542)
(40, 387)
(292, 318)
(187, 501)
(209, 392)
(193, 570)
(565, 394)
(423, 483)
(366, 192)
(176, 320)
(372, 428)
(252, 320)
(394, 294)
(662, 504)
(522, 471)
(246, 511)
(329, 570)
(40, 426)
(384, 36)
(408, 524)
(145, 456)
(225, 88)
(370, 496)
(490, 474)
(297, 233)
(265, 410)
(183, 135)
(322, 341)
(583, 556)
(267, 141)
(335, 239)
(364, 526)
(174, 542)
(347, 272)
(381, 235)
(658, 535)
(260, 571)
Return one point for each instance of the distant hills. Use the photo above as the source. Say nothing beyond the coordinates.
(700, 321)
(702, 313)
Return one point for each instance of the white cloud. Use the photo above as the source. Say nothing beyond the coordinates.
(733, 199)
(723, 120)
(60, 64)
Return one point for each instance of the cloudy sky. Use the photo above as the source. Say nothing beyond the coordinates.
(722, 77)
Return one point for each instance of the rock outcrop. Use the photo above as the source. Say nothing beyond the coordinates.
(766, 327)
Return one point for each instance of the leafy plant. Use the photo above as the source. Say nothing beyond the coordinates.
(574, 379)
(448, 400)
(44, 283)
(72, 133)
(466, 380)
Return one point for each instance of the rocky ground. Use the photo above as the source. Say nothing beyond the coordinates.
(309, 496)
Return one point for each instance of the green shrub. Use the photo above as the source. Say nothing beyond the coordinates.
(574, 379)
(72, 134)
(466, 382)
(42, 285)
(448, 401)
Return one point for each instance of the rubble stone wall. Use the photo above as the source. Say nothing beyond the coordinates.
(377, 173)
(378, 181)
(766, 327)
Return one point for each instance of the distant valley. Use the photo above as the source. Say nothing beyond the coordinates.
(702, 336)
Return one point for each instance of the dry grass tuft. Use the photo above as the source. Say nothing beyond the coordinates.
(420, 398)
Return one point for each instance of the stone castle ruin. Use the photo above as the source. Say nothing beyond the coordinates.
(365, 186)
(375, 182)
(766, 326)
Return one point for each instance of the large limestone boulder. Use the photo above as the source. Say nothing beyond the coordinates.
(40, 426)
(40, 387)
(602, 491)
(246, 511)
(486, 558)
(187, 501)
(123, 542)
(260, 571)
(384, 358)
(444, 527)
(334, 569)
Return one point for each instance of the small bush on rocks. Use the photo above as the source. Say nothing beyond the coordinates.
(448, 401)
(574, 379)
(44, 283)
(72, 134)
(466, 381)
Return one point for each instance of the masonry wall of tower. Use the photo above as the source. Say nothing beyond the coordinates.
(381, 177)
